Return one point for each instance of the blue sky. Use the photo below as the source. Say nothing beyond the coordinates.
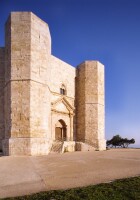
(104, 30)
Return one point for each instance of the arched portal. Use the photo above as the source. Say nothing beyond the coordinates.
(60, 130)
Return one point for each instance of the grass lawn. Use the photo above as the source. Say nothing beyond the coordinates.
(125, 189)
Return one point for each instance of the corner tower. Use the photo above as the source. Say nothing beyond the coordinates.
(90, 104)
(2, 84)
(27, 96)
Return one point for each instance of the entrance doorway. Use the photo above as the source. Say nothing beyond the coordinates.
(60, 130)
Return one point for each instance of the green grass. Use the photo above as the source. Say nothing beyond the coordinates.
(125, 189)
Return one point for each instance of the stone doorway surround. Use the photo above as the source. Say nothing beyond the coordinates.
(62, 128)
(62, 117)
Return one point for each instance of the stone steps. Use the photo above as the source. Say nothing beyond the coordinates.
(57, 147)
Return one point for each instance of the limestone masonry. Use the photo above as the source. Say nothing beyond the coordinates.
(46, 105)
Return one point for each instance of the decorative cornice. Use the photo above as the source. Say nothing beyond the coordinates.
(62, 112)
(65, 102)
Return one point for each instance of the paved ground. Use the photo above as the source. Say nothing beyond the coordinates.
(25, 175)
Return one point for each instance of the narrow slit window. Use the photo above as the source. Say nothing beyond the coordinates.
(63, 90)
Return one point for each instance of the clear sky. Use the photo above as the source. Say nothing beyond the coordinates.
(104, 30)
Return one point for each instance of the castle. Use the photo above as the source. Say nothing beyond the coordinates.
(46, 105)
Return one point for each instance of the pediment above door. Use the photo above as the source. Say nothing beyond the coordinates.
(62, 105)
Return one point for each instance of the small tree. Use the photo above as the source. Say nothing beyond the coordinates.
(126, 142)
(117, 140)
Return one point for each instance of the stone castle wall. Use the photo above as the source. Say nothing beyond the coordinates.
(62, 74)
(80, 103)
(17, 90)
(90, 103)
(30, 101)
(27, 103)
(2, 84)
(40, 78)
(40, 108)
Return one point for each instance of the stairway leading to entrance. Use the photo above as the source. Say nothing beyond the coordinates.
(57, 147)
